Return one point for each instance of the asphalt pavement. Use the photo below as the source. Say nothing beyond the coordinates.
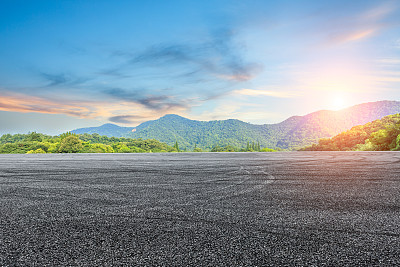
(200, 209)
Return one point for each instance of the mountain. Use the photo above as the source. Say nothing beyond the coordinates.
(293, 133)
(378, 135)
(308, 129)
(107, 129)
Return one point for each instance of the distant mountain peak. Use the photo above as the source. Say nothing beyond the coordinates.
(110, 124)
(108, 129)
(172, 116)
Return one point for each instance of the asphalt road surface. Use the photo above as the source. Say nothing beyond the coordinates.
(200, 209)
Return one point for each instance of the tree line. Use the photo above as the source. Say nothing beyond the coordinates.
(35, 143)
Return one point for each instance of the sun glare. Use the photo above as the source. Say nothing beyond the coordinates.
(338, 102)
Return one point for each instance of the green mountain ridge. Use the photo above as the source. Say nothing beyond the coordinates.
(293, 133)
(378, 135)
(107, 129)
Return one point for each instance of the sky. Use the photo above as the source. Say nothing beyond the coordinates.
(71, 64)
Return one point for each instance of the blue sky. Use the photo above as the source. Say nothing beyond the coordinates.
(70, 64)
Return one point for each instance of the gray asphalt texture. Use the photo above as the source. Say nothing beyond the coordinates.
(200, 209)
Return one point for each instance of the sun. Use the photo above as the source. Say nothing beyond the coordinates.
(338, 102)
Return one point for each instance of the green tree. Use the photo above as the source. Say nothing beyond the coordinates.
(176, 146)
(123, 148)
(70, 144)
(34, 136)
(64, 135)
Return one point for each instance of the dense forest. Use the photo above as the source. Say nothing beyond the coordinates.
(291, 134)
(35, 143)
(73, 143)
(379, 135)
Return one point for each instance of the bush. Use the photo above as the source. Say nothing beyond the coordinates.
(37, 151)
(266, 149)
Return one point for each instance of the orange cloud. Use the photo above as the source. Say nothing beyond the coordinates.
(360, 27)
(24, 103)
(238, 77)
(354, 36)
(82, 109)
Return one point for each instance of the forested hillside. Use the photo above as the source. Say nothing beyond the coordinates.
(379, 135)
(206, 135)
(293, 133)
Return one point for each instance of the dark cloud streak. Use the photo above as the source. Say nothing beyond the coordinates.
(155, 102)
(219, 57)
(62, 79)
(126, 118)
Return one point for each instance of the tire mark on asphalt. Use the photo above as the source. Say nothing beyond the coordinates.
(277, 230)
(37, 189)
(102, 190)
(40, 190)
(241, 171)
(253, 188)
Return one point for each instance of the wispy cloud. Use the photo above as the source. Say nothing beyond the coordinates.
(61, 79)
(54, 79)
(124, 112)
(353, 28)
(357, 34)
(219, 57)
(127, 119)
(253, 92)
(387, 77)
(379, 12)
(155, 102)
(226, 110)
(25, 103)
(388, 61)
(388, 72)
(244, 112)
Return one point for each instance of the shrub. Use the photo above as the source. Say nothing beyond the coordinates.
(37, 151)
